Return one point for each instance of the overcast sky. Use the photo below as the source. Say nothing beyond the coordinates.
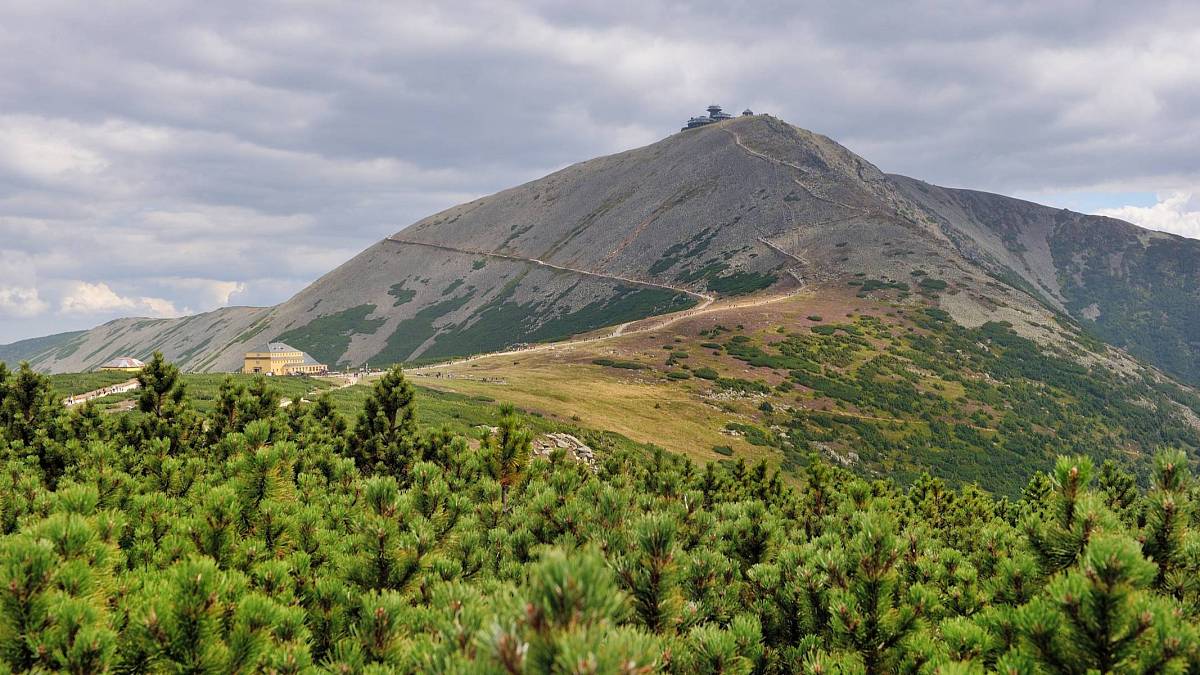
(159, 157)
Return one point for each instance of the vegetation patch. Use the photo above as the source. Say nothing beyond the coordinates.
(326, 338)
(741, 283)
(258, 327)
(1148, 295)
(869, 285)
(72, 384)
(503, 322)
(754, 435)
(618, 363)
(402, 295)
(744, 386)
(684, 251)
(254, 538)
(968, 404)
(412, 332)
(738, 283)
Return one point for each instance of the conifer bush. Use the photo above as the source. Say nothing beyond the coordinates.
(260, 538)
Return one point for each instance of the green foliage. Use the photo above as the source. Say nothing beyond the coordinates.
(72, 384)
(620, 363)
(869, 285)
(503, 322)
(1143, 296)
(386, 433)
(326, 338)
(741, 283)
(402, 295)
(684, 250)
(754, 435)
(978, 405)
(737, 283)
(255, 538)
(739, 384)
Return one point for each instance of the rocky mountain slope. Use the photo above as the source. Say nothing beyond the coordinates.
(727, 209)
(1134, 288)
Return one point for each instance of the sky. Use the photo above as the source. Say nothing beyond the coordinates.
(159, 158)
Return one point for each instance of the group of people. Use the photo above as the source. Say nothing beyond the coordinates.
(80, 399)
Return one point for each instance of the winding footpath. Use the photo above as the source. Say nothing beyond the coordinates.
(704, 300)
(665, 321)
(775, 160)
(624, 329)
(543, 263)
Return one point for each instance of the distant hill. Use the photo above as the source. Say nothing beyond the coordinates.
(33, 348)
(731, 208)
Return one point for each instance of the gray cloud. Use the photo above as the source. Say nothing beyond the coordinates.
(172, 156)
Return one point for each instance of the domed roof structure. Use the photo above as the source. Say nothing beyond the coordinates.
(123, 363)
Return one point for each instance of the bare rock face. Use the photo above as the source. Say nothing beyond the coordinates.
(730, 208)
(574, 449)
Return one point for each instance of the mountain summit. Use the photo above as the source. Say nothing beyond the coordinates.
(731, 207)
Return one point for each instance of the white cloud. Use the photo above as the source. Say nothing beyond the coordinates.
(99, 298)
(221, 291)
(19, 295)
(20, 301)
(205, 293)
(38, 152)
(1175, 212)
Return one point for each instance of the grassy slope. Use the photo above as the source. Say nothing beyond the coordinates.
(892, 390)
(462, 413)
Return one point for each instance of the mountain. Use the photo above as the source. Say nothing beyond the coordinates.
(731, 208)
(1134, 288)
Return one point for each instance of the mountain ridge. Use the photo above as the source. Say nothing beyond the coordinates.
(730, 208)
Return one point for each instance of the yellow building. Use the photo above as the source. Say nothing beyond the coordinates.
(277, 358)
(125, 364)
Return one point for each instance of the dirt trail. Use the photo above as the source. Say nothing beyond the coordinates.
(738, 139)
(561, 268)
(651, 323)
(665, 321)
(120, 388)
